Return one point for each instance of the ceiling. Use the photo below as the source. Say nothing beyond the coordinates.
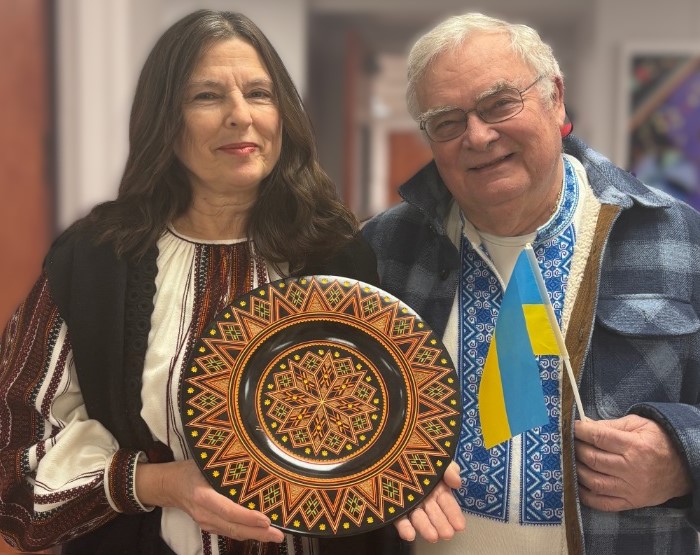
(392, 25)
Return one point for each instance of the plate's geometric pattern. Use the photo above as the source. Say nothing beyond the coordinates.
(320, 434)
(323, 402)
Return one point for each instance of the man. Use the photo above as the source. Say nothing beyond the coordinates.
(622, 269)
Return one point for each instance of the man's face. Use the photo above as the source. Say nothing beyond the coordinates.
(505, 176)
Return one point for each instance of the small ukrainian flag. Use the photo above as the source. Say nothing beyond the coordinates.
(511, 399)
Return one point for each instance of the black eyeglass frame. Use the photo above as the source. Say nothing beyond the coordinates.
(423, 119)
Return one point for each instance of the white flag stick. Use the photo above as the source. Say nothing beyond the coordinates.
(555, 326)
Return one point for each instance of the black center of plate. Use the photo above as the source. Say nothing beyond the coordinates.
(310, 399)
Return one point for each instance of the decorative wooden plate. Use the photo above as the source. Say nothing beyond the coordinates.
(323, 402)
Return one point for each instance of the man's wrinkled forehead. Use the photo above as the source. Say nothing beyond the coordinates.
(515, 71)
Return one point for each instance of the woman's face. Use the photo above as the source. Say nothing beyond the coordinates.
(233, 131)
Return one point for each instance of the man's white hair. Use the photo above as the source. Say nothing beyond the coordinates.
(451, 34)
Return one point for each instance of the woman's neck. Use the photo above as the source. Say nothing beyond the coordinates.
(221, 219)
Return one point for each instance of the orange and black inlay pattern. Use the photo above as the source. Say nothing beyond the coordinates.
(324, 402)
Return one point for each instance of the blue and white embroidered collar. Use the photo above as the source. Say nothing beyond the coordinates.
(487, 489)
(568, 203)
(562, 216)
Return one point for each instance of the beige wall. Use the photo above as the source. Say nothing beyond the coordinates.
(613, 25)
(25, 134)
(100, 47)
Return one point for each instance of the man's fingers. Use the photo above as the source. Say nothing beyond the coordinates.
(452, 510)
(405, 529)
(452, 477)
(439, 520)
(603, 435)
(602, 484)
(439, 516)
(605, 503)
(627, 463)
(446, 501)
(443, 501)
(422, 524)
(598, 460)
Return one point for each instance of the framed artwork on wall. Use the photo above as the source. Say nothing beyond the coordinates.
(659, 117)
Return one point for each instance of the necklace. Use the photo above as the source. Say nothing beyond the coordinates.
(556, 202)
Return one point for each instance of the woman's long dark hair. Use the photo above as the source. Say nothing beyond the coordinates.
(297, 216)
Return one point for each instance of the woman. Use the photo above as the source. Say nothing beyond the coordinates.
(222, 192)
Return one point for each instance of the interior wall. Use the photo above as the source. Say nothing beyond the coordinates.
(612, 25)
(326, 93)
(100, 47)
(26, 151)
(25, 148)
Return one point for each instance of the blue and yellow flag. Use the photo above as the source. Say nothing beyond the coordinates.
(511, 399)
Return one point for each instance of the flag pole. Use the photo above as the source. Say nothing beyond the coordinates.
(555, 326)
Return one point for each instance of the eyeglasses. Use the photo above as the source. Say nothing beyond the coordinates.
(449, 124)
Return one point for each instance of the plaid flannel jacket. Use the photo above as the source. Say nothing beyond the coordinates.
(634, 334)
